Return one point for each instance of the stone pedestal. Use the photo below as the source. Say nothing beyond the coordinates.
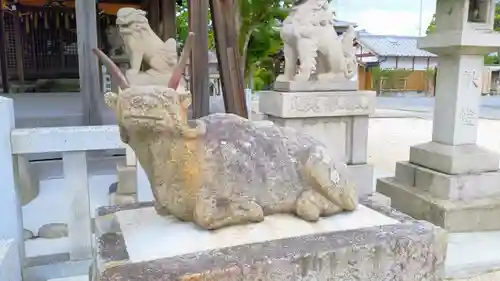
(454, 186)
(451, 181)
(339, 119)
(126, 187)
(134, 243)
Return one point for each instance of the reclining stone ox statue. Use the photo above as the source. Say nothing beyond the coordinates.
(222, 170)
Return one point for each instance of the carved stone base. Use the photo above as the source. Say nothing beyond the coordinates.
(362, 177)
(134, 243)
(458, 203)
(316, 104)
(313, 86)
(338, 119)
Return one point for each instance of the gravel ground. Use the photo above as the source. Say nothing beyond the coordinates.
(389, 139)
(492, 276)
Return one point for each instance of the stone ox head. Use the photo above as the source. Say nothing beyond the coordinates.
(151, 109)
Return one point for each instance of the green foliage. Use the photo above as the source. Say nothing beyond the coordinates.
(258, 35)
(491, 59)
(182, 23)
(496, 24)
(430, 79)
(430, 74)
(432, 25)
(263, 74)
(262, 78)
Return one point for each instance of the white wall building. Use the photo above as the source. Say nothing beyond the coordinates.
(393, 52)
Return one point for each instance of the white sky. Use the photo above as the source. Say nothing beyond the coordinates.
(391, 17)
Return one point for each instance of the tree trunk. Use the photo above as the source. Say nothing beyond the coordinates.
(237, 17)
(244, 52)
(248, 36)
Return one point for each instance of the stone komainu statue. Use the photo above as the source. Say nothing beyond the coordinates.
(143, 46)
(222, 169)
(309, 36)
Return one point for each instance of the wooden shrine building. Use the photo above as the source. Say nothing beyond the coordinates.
(51, 39)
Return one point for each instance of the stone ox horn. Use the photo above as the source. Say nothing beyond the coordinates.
(175, 79)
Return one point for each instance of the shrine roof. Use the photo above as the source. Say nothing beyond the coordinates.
(392, 46)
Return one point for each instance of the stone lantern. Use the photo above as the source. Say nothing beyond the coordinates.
(451, 181)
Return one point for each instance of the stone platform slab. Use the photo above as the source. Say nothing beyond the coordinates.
(454, 216)
(136, 244)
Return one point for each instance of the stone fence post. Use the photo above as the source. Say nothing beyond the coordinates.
(11, 221)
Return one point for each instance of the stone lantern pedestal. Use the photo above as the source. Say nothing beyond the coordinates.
(451, 181)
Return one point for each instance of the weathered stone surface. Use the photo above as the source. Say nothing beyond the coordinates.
(53, 230)
(315, 86)
(344, 136)
(316, 104)
(454, 159)
(378, 200)
(362, 177)
(127, 180)
(462, 187)
(364, 245)
(250, 170)
(222, 170)
(323, 129)
(454, 216)
(122, 199)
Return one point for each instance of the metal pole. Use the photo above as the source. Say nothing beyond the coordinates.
(420, 18)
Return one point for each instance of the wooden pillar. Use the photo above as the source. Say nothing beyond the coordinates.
(168, 19)
(3, 52)
(198, 72)
(19, 50)
(92, 96)
(154, 15)
(228, 55)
